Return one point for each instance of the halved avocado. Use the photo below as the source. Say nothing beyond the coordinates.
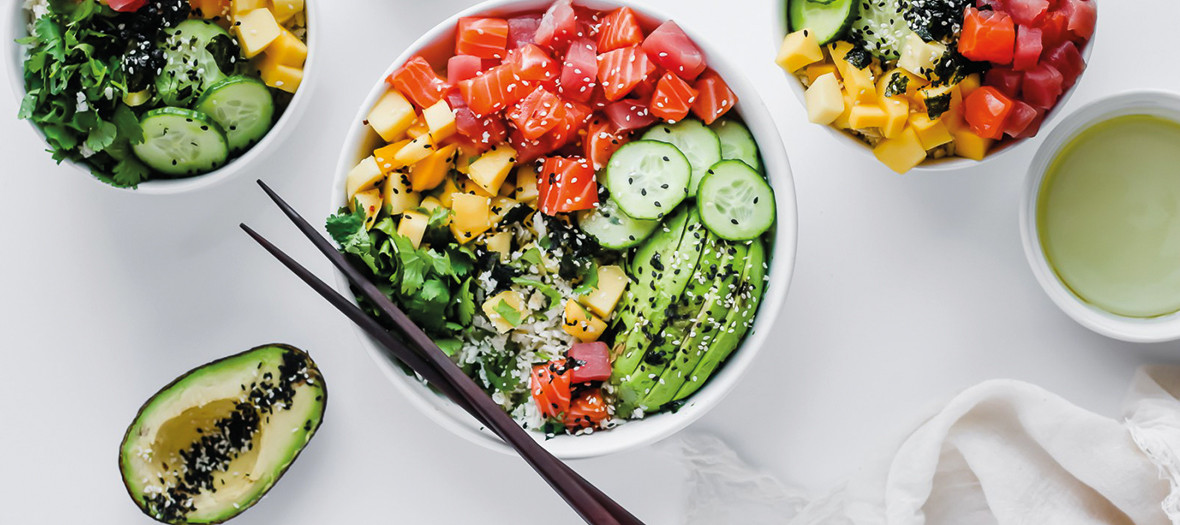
(214, 441)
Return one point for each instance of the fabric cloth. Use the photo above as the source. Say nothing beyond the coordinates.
(1001, 452)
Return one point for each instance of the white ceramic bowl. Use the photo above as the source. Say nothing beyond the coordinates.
(437, 44)
(1158, 103)
(16, 26)
(945, 163)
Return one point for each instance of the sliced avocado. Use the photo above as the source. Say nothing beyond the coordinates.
(643, 269)
(209, 445)
(661, 274)
(679, 319)
(707, 326)
(739, 321)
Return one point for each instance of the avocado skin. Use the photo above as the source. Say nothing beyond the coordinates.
(230, 512)
(708, 327)
(737, 324)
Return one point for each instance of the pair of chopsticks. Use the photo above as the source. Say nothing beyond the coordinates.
(422, 355)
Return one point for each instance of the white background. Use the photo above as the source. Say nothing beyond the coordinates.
(907, 289)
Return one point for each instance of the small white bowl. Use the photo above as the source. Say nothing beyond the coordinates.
(438, 43)
(16, 27)
(1137, 330)
(945, 163)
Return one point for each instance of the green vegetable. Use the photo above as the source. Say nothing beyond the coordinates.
(508, 313)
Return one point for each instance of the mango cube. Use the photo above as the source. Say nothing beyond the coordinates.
(841, 121)
(285, 10)
(391, 116)
(466, 185)
(901, 153)
(363, 176)
(440, 120)
(510, 298)
(370, 202)
(429, 173)
(491, 169)
(865, 116)
(211, 8)
(386, 154)
(415, 151)
(815, 71)
(824, 100)
(279, 76)
(500, 243)
(430, 203)
(798, 50)
(473, 215)
(931, 133)
(612, 282)
(857, 81)
(970, 145)
(449, 189)
(507, 189)
(581, 323)
(397, 194)
(241, 7)
(919, 56)
(256, 30)
(413, 226)
(969, 84)
(288, 50)
(418, 128)
(526, 183)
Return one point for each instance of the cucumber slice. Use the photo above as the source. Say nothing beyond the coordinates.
(199, 54)
(881, 25)
(614, 229)
(696, 141)
(737, 143)
(736, 202)
(244, 108)
(828, 20)
(648, 179)
(181, 142)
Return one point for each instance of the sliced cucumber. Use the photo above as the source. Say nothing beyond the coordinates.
(881, 25)
(244, 108)
(737, 143)
(199, 54)
(696, 141)
(613, 228)
(648, 179)
(735, 201)
(181, 142)
(829, 20)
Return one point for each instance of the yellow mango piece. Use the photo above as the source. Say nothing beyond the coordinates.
(919, 56)
(824, 100)
(449, 189)
(901, 153)
(211, 8)
(278, 76)
(286, 10)
(815, 71)
(415, 151)
(472, 213)
(969, 84)
(256, 30)
(241, 7)
(841, 121)
(413, 226)
(440, 120)
(370, 202)
(500, 208)
(288, 50)
(507, 189)
(865, 116)
(500, 243)
(513, 300)
(429, 173)
(397, 194)
(491, 169)
(858, 82)
(418, 128)
(581, 323)
(385, 156)
(612, 282)
(430, 203)
(798, 50)
(971, 146)
(469, 187)
(931, 133)
(526, 183)
(391, 116)
(363, 176)
(912, 83)
(897, 107)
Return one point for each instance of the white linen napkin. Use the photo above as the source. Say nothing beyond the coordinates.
(1001, 452)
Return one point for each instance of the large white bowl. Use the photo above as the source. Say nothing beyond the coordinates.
(1138, 330)
(945, 163)
(16, 26)
(437, 44)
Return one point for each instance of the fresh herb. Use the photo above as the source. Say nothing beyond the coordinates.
(897, 85)
(497, 368)
(506, 312)
(553, 295)
(589, 280)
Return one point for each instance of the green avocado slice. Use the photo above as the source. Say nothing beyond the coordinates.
(209, 445)
(738, 322)
(706, 328)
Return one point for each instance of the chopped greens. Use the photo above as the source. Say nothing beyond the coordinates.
(898, 84)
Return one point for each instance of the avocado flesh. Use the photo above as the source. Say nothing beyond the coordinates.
(211, 444)
(708, 327)
(737, 323)
(679, 317)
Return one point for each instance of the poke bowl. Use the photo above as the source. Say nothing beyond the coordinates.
(176, 95)
(906, 75)
(550, 243)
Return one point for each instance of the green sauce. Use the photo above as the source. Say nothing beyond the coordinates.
(1108, 216)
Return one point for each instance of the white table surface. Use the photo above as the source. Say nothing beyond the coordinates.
(907, 289)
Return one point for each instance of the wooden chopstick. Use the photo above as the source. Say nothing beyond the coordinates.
(593, 505)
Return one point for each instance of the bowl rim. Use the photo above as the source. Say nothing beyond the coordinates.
(1159, 103)
(16, 27)
(929, 165)
(657, 427)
